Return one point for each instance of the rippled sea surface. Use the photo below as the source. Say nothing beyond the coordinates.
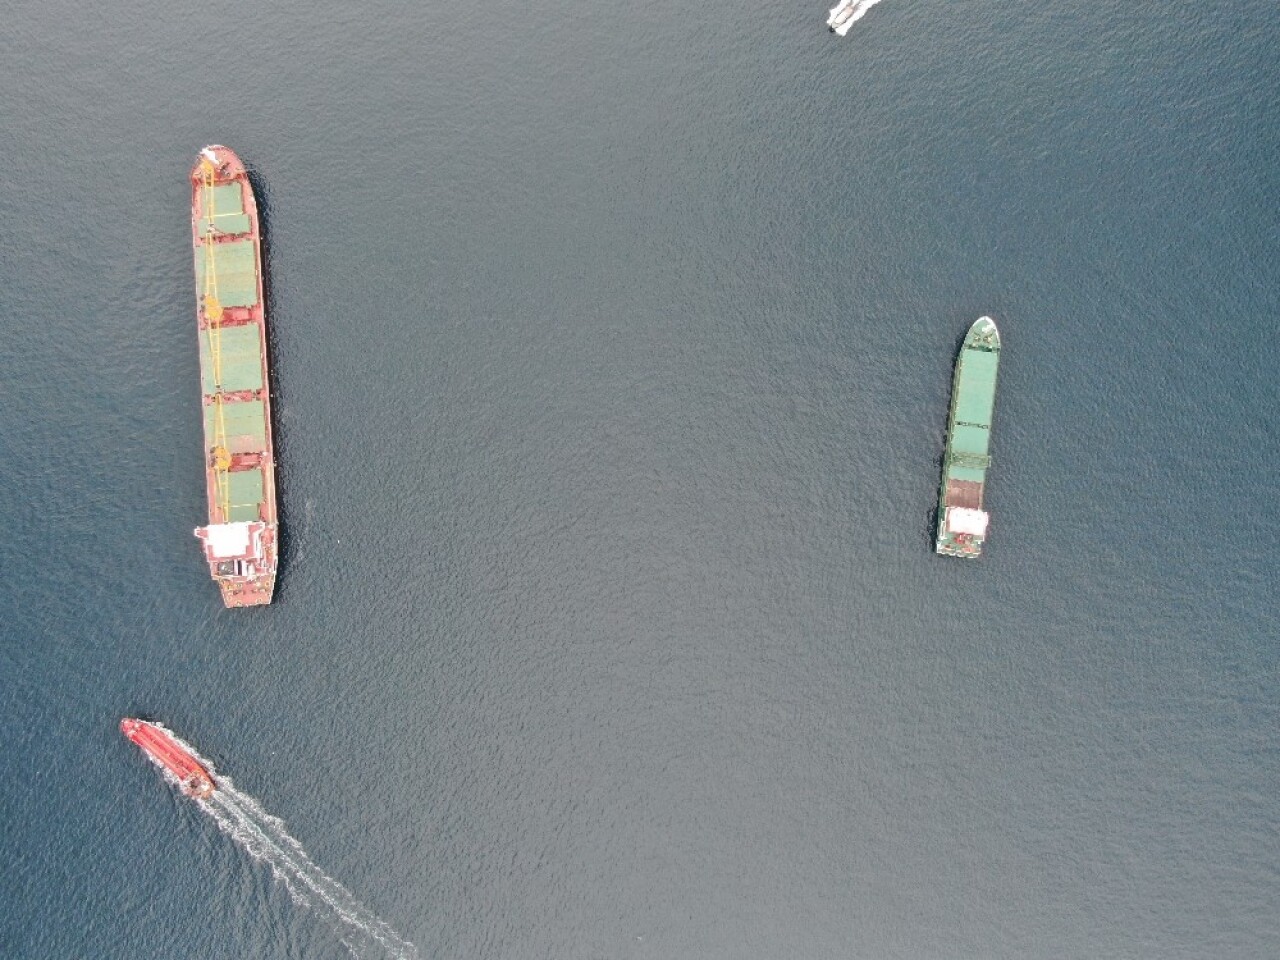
(612, 349)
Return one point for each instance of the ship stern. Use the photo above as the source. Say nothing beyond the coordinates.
(253, 593)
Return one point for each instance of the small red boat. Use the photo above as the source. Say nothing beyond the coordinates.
(166, 751)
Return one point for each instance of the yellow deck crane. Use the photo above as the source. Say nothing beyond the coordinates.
(220, 455)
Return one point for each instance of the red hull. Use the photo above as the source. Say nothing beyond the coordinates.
(164, 749)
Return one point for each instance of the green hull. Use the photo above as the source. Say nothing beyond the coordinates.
(962, 518)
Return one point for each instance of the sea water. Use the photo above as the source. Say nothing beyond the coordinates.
(612, 348)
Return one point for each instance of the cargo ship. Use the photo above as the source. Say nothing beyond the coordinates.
(169, 753)
(962, 517)
(241, 538)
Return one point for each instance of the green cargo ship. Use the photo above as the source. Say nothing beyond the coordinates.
(962, 519)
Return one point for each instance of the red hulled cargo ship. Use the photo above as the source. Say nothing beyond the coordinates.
(167, 752)
(241, 538)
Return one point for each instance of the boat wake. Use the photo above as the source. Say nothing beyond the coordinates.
(848, 12)
(267, 839)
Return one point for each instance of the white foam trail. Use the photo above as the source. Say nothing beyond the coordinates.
(265, 838)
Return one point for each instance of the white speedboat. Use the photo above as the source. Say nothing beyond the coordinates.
(842, 16)
(848, 12)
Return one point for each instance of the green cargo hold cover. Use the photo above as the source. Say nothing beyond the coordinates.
(235, 272)
(222, 200)
(245, 491)
(969, 439)
(245, 422)
(976, 387)
(240, 350)
(230, 224)
(223, 206)
(968, 474)
(968, 453)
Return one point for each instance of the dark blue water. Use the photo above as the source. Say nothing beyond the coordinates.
(612, 350)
